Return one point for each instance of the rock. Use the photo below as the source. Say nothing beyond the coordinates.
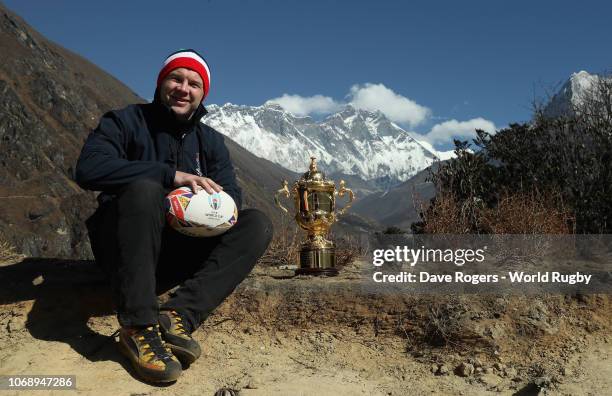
(510, 372)
(464, 369)
(244, 382)
(495, 331)
(566, 371)
(537, 310)
(542, 382)
(434, 368)
(16, 324)
(443, 370)
(539, 318)
(498, 366)
(490, 379)
(38, 280)
(252, 384)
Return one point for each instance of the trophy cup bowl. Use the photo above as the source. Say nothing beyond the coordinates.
(315, 211)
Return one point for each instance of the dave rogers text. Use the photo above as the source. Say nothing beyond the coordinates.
(475, 279)
(426, 277)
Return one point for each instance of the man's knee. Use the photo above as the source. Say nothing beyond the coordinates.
(142, 195)
(256, 226)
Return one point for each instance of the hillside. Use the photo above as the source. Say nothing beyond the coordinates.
(49, 99)
(399, 205)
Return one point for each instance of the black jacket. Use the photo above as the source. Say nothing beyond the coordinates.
(147, 141)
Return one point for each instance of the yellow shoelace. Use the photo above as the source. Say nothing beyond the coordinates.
(178, 323)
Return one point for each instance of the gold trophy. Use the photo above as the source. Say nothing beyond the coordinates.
(315, 204)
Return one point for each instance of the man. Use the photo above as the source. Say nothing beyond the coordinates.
(136, 156)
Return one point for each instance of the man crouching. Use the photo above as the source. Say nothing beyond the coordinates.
(135, 157)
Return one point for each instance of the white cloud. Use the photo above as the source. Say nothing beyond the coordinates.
(301, 106)
(446, 131)
(396, 107)
(367, 96)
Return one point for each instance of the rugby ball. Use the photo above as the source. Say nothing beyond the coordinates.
(201, 214)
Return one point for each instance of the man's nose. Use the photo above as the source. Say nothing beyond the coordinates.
(184, 85)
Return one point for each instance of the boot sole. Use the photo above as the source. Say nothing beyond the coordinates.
(151, 376)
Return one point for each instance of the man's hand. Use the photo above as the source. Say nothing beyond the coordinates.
(195, 182)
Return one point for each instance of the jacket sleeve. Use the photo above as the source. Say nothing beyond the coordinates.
(220, 169)
(103, 164)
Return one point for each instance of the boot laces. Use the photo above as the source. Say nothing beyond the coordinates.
(153, 347)
(179, 323)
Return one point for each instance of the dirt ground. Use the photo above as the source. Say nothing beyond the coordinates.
(279, 335)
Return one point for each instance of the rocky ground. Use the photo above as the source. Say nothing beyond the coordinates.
(283, 335)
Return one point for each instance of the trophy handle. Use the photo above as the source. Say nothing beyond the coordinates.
(285, 191)
(343, 190)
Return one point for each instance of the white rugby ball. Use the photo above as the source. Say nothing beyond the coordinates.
(201, 214)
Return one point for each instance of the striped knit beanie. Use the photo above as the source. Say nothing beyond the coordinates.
(189, 59)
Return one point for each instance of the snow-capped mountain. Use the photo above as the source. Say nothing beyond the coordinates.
(354, 142)
(572, 94)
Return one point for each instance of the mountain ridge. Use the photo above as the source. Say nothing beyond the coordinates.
(351, 141)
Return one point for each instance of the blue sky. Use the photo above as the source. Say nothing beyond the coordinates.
(426, 64)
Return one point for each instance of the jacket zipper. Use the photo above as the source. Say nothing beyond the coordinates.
(179, 153)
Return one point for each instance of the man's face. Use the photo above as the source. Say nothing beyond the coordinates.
(182, 90)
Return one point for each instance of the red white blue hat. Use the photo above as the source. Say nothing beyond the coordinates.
(188, 59)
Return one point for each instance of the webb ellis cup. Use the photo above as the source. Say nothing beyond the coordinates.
(315, 204)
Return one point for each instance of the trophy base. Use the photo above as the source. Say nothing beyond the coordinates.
(318, 262)
(317, 271)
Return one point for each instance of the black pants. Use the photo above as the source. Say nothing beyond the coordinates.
(143, 257)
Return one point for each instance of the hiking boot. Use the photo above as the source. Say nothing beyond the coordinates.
(151, 358)
(175, 331)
